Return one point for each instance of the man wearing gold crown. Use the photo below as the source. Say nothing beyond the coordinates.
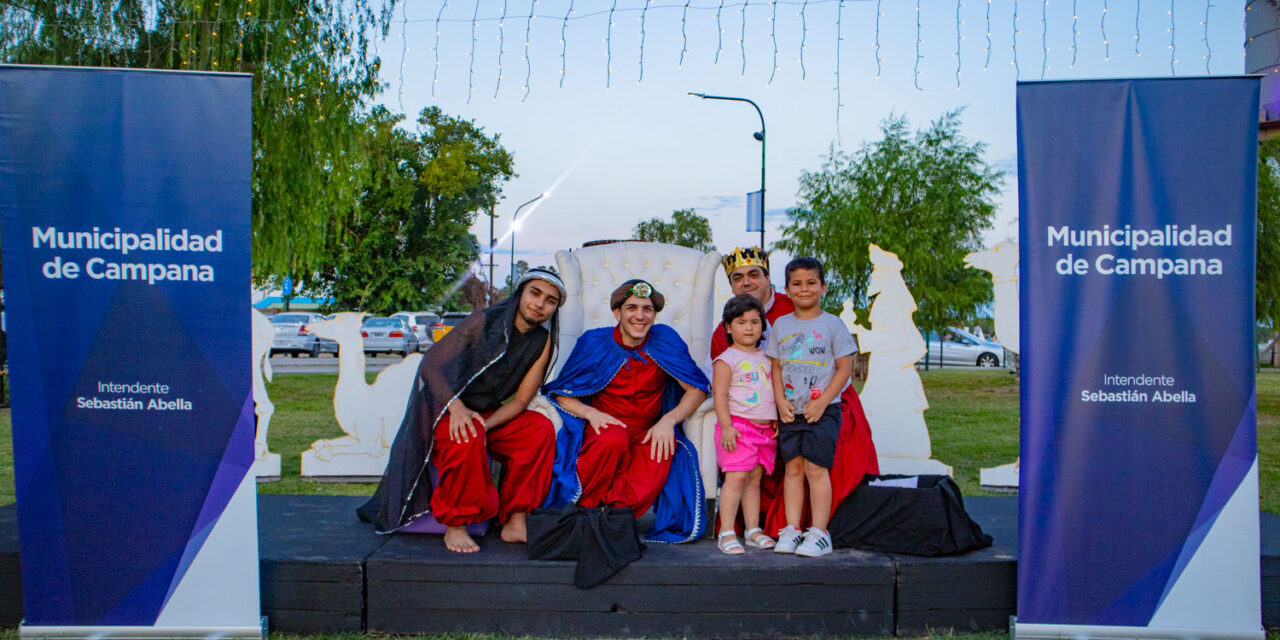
(748, 271)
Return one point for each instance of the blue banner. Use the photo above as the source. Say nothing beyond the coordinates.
(1138, 504)
(124, 197)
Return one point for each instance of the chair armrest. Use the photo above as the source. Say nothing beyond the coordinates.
(700, 428)
(542, 405)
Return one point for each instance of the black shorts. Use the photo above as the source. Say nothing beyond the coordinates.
(815, 442)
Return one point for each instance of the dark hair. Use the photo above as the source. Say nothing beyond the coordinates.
(810, 264)
(736, 307)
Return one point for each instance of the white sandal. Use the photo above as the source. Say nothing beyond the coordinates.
(762, 541)
(728, 544)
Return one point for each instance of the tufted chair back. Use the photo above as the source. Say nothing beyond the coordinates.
(685, 276)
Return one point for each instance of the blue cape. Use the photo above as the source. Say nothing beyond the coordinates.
(680, 510)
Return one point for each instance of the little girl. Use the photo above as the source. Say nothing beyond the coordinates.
(745, 427)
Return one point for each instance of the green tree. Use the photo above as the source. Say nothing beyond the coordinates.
(1268, 267)
(409, 245)
(313, 77)
(686, 228)
(926, 196)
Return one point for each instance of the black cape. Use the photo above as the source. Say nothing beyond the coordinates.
(479, 341)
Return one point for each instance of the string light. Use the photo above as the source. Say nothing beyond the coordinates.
(1075, 32)
(404, 49)
(916, 76)
(839, 38)
(719, 34)
(1173, 49)
(988, 62)
(773, 33)
(642, 16)
(435, 48)
(1137, 30)
(742, 38)
(1208, 52)
(1017, 70)
(1105, 42)
(502, 44)
(528, 65)
(1044, 38)
(684, 35)
(959, 37)
(608, 48)
(471, 65)
(804, 35)
(564, 46)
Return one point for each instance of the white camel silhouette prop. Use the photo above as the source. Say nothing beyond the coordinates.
(893, 396)
(265, 463)
(370, 414)
(1002, 262)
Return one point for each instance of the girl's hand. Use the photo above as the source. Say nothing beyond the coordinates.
(785, 410)
(729, 437)
(773, 430)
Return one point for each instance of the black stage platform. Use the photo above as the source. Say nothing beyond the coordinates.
(324, 571)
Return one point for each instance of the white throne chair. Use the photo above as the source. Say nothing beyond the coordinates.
(686, 277)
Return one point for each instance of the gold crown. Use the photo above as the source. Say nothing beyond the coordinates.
(745, 257)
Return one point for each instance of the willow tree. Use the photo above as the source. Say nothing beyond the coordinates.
(926, 195)
(313, 78)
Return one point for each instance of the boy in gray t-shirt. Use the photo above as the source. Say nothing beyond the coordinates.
(812, 356)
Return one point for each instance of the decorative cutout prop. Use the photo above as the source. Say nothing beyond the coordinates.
(369, 414)
(893, 397)
(265, 463)
(1001, 261)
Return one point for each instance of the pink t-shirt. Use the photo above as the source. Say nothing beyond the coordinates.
(750, 384)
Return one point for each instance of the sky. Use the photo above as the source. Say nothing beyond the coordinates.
(591, 97)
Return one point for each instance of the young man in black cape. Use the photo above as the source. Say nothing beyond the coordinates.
(439, 472)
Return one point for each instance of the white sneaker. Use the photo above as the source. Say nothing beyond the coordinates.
(816, 543)
(788, 538)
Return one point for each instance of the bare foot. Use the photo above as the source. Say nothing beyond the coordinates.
(515, 530)
(457, 540)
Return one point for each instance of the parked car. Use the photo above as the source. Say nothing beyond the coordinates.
(958, 346)
(422, 324)
(448, 320)
(388, 335)
(294, 338)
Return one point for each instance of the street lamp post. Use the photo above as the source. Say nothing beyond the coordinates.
(515, 226)
(489, 293)
(759, 135)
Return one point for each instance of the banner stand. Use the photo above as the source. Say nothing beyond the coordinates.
(1108, 632)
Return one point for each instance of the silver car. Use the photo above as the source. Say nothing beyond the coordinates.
(959, 347)
(388, 335)
(294, 337)
(421, 323)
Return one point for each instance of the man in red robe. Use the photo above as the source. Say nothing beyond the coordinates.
(748, 271)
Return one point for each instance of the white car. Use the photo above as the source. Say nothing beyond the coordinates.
(961, 347)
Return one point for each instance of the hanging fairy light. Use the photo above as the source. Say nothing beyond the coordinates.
(684, 35)
(502, 43)
(958, 37)
(916, 76)
(1075, 32)
(1208, 52)
(404, 50)
(1017, 70)
(988, 61)
(773, 34)
(435, 48)
(719, 34)
(839, 39)
(471, 64)
(528, 65)
(1044, 38)
(564, 43)
(804, 34)
(1173, 49)
(1106, 44)
(643, 12)
(608, 48)
(1137, 29)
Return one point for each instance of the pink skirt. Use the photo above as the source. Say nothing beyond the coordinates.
(756, 445)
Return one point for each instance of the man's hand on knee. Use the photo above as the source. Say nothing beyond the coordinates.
(661, 438)
(462, 422)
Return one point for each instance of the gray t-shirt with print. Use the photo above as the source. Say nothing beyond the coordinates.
(807, 350)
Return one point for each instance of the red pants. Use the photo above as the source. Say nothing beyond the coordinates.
(525, 446)
(616, 469)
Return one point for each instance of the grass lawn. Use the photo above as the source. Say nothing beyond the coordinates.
(972, 418)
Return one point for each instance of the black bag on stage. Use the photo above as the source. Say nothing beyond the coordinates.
(927, 520)
(603, 540)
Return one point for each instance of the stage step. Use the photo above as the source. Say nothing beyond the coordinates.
(324, 571)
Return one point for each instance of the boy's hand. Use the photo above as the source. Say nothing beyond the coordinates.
(601, 420)
(785, 410)
(462, 423)
(729, 438)
(813, 410)
(661, 439)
